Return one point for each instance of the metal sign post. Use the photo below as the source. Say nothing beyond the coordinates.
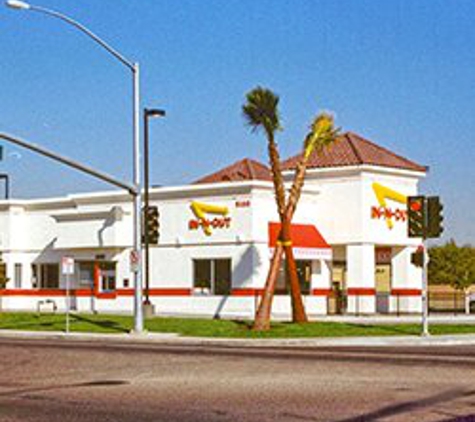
(67, 268)
(425, 301)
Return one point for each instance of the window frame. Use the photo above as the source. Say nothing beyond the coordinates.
(211, 290)
(39, 272)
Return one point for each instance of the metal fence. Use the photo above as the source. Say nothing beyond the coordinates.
(453, 302)
(439, 302)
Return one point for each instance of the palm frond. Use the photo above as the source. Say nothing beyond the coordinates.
(322, 134)
(260, 110)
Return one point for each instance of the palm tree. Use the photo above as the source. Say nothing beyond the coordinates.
(261, 112)
(321, 136)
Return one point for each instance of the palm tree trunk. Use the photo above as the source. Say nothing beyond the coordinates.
(262, 319)
(299, 315)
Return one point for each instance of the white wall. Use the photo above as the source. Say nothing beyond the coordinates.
(338, 203)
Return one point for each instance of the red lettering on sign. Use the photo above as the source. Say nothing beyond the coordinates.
(215, 223)
(385, 212)
(243, 204)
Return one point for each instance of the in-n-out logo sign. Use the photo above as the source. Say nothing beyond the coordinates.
(384, 193)
(201, 210)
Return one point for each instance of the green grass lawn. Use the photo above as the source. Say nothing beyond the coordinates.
(214, 328)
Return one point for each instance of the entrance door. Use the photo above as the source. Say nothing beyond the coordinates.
(337, 298)
(383, 287)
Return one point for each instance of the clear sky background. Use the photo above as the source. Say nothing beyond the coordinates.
(398, 72)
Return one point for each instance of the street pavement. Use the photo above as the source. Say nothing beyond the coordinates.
(63, 379)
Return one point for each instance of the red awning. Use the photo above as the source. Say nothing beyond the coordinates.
(307, 241)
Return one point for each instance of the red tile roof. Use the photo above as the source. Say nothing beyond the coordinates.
(353, 150)
(246, 169)
(349, 150)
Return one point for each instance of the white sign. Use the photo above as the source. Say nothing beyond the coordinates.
(67, 265)
(134, 261)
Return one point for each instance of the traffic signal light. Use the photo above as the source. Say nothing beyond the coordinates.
(151, 224)
(434, 217)
(416, 216)
(417, 257)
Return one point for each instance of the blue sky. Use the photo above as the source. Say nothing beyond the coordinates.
(400, 73)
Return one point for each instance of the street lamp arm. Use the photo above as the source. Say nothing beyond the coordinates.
(71, 163)
(86, 31)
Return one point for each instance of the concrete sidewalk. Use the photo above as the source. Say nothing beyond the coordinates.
(174, 339)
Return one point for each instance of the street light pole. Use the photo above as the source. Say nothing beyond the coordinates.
(138, 306)
(147, 113)
(134, 68)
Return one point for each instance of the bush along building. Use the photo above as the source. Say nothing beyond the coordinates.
(216, 237)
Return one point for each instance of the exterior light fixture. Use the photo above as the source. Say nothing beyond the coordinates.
(17, 4)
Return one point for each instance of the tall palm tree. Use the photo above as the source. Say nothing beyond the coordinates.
(260, 112)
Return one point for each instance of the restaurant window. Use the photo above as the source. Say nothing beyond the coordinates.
(107, 276)
(18, 276)
(304, 274)
(45, 276)
(85, 274)
(212, 276)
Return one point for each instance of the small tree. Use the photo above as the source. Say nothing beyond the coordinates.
(453, 265)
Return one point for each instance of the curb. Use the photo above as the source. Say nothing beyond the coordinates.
(173, 339)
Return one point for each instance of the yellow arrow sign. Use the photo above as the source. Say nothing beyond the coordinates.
(201, 210)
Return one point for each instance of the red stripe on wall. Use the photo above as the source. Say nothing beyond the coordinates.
(157, 292)
(106, 295)
(45, 292)
(406, 292)
(89, 293)
(170, 292)
(361, 291)
(321, 292)
(247, 292)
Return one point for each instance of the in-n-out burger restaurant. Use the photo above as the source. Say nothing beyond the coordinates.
(216, 239)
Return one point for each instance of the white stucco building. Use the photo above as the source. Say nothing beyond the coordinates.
(216, 239)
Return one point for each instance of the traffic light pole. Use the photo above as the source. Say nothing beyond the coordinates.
(425, 301)
(147, 113)
(424, 220)
(145, 214)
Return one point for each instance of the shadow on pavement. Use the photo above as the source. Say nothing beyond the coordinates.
(408, 406)
(112, 326)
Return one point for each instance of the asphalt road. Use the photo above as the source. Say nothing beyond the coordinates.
(76, 381)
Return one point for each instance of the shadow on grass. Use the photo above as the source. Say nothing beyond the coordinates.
(244, 325)
(109, 325)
